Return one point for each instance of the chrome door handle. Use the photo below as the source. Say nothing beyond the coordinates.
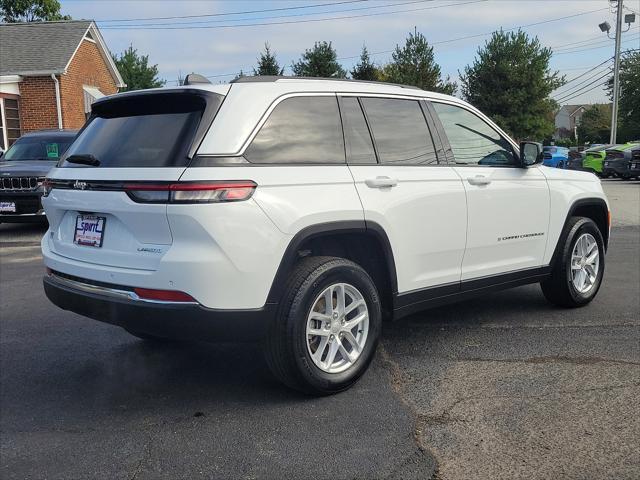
(381, 182)
(479, 180)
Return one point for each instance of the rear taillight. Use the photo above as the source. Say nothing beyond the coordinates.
(163, 295)
(191, 192)
(46, 186)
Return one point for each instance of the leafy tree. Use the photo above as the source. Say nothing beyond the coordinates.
(12, 11)
(267, 63)
(319, 61)
(365, 69)
(595, 124)
(510, 80)
(136, 71)
(414, 64)
(629, 103)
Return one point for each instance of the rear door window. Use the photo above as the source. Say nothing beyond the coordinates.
(303, 130)
(146, 131)
(400, 131)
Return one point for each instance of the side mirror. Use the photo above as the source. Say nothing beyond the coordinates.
(530, 153)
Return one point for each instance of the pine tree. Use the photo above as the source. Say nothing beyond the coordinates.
(414, 64)
(365, 70)
(267, 63)
(136, 71)
(510, 81)
(319, 61)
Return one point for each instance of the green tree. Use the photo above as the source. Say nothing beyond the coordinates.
(136, 71)
(12, 11)
(414, 64)
(365, 69)
(510, 80)
(319, 61)
(629, 103)
(267, 63)
(595, 124)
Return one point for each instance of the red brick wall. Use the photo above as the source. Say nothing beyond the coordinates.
(37, 104)
(87, 68)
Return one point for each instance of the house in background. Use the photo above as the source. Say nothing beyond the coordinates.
(50, 74)
(567, 120)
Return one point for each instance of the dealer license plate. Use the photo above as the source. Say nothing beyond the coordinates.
(89, 230)
(8, 207)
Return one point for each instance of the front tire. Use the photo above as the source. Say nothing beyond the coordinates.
(327, 327)
(577, 272)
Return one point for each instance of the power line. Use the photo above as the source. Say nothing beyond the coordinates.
(592, 48)
(568, 91)
(587, 72)
(412, 2)
(289, 22)
(246, 12)
(583, 92)
(221, 75)
(566, 95)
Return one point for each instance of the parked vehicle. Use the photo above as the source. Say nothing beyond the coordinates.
(302, 212)
(617, 161)
(575, 159)
(23, 168)
(594, 158)
(634, 167)
(555, 156)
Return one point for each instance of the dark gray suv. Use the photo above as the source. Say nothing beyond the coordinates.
(22, 170)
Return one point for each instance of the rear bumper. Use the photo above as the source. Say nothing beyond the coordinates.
(162, 319)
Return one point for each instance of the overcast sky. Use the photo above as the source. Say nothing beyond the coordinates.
(177, 46)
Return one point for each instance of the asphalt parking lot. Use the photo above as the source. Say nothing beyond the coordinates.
(504, 386)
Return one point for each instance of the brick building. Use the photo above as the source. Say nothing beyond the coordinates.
(50, 73)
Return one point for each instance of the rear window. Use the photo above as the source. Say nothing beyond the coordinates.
(146, 131)
(38, 148)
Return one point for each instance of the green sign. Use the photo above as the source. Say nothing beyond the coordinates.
(52, 150)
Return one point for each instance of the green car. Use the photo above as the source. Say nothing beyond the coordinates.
(594, 157)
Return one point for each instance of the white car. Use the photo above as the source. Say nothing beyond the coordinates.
(303, 212)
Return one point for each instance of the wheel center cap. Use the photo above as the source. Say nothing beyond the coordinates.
(335, 326)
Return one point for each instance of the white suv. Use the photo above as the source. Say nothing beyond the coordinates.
(303, 212)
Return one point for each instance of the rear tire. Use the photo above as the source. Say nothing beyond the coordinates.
(341, 347)
(574, 279)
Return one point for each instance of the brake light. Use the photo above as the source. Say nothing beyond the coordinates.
(46, 185)
(191, 192)
(164, 295)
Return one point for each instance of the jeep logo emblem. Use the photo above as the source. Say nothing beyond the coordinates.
(78, 185)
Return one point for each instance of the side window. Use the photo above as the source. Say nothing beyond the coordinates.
(400, 131)
(356, 133)
(300, 130)
(472, 140)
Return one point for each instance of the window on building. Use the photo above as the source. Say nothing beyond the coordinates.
(91, 94)
(300, 130)
(10, 120)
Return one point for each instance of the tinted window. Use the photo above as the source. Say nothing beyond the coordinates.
(38, 148)
(472, 140)
(400, 131)
(145, 131)
(356, 133)
(300, 130)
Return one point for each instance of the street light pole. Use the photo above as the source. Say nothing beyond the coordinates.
(616, 76)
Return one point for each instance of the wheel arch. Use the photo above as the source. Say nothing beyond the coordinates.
(361, 241)
(594, 208)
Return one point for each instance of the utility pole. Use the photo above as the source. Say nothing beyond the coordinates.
(616, 75)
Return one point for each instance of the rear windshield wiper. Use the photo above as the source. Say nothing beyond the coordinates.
(83, 159)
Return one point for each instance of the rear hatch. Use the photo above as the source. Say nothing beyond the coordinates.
(130, 141)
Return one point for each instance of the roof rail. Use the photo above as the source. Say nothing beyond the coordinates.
(275, 78)
(194, 78)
